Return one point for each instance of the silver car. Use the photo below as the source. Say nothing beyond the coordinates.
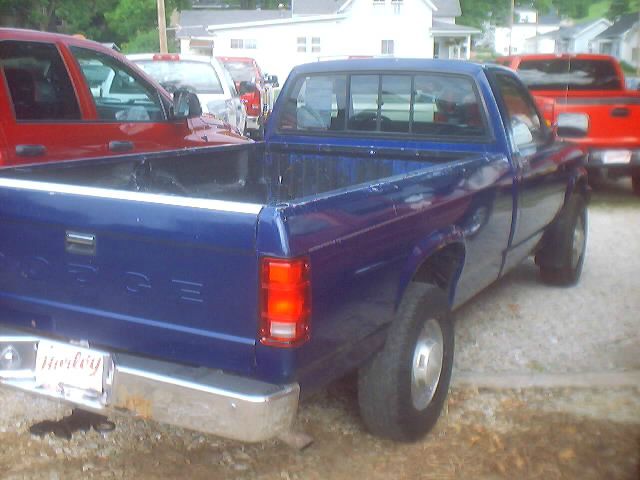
(203, 75)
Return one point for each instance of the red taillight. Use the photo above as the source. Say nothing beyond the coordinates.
(252, 102)
(166, 56)
(285, 303)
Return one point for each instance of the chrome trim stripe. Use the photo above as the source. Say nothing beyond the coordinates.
(201, 203)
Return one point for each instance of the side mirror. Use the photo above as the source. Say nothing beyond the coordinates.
(186, 104)
(572, 125)
(246, 87)
(272, 80)
(521, 134)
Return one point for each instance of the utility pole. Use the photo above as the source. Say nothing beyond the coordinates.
(511, 13)
(638, 47)
(162, 27)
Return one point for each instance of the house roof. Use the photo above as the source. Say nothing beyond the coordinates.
(447, 8)
(444, 28)
(317, 7)
(573, 31)
(619, 28)
(194, 23)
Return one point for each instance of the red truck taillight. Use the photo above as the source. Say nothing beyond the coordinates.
(285, 301)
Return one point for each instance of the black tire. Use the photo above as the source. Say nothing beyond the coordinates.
(385, 383)
(557, 262)
(635, 182)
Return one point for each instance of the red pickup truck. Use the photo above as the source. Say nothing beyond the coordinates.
(68, 98)
(585, 96)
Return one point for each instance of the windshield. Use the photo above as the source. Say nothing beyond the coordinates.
(569, 74)
(241, 71)
(197, 76)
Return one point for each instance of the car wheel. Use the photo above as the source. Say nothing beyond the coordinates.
(562, 256)
(402, 389)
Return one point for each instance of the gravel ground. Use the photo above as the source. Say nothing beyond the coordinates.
(518, 326)
(521, 325)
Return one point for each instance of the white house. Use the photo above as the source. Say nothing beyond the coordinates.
(527, 24)
(622, 39)
(575, 38)
(323, 29)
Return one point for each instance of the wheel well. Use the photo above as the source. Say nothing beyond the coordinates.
(441, 267)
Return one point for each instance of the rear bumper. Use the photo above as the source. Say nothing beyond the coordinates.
(196, 398)
(254, 123)
(597, 160)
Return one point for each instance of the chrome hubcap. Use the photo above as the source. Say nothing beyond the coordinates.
(426, 368)
(578, 242)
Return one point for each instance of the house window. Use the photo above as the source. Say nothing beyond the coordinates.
(243, 43)
(387, 47)
(302, 44)
(315, 44)
(377, 3)
(397, 6)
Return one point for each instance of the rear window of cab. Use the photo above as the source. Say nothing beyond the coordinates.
(415, 104)
(573, 74)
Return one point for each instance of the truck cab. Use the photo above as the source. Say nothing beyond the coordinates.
(67, 98)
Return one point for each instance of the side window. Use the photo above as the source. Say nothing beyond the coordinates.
(229, 81)
(119, 94)
(316, 103)
(38, 82)
(446, 106)
(524, 121)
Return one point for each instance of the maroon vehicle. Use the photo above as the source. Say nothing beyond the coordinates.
(66, 98)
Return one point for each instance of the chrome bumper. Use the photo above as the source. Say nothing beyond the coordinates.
(253, 123)
(196, 398)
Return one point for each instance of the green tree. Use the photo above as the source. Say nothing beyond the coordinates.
(618, 8)
(132, 17)
(65, 16)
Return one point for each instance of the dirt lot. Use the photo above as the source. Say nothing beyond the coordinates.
(517, 328)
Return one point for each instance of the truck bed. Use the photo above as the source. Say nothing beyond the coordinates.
(80, 241)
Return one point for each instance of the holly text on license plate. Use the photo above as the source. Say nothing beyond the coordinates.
(58, 364)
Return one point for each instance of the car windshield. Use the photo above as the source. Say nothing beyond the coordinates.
(241, 71)
(197, 76)
(569, 74)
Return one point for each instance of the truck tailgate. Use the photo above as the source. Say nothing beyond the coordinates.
(113, 269)
(613, 119)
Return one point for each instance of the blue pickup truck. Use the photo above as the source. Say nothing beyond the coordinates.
(212, 288)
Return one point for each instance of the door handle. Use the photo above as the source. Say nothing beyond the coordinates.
(620, 112)
(80, 243)
(30, 150)
(118, 146)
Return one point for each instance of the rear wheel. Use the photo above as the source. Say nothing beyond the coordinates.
(562, 257)
(403, 388)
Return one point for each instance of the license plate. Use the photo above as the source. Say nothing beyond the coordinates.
(59, 365)
(616, 156)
